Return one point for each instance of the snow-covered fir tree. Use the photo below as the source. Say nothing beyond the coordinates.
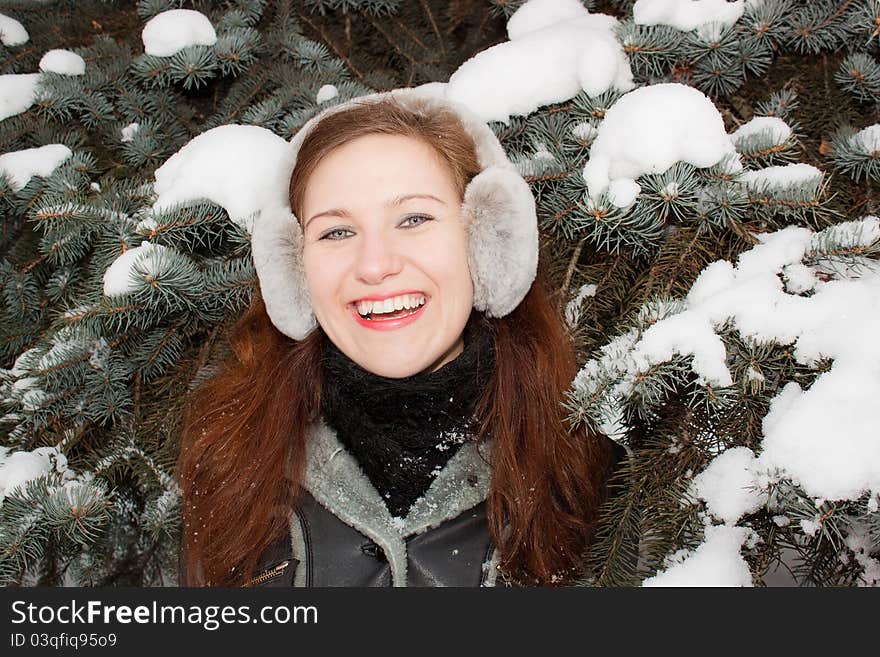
(706, 173)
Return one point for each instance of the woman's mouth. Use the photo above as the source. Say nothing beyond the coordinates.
(388, 321)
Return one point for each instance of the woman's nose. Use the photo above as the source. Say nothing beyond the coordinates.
(377, 258)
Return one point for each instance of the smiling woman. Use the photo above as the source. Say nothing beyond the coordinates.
(391, 414)
(401, 240)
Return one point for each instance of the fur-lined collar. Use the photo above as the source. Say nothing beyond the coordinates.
(334, 478)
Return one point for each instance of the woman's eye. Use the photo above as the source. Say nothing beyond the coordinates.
(417, 216)
(337, 234)
(329, 234)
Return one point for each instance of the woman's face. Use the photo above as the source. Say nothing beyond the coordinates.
(381, 218)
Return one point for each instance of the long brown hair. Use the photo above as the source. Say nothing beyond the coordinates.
(244, 431)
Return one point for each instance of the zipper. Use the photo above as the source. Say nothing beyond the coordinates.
(266, 575)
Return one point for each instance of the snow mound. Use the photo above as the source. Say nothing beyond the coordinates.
(21, 166)
(12, 33)
(687, 15)
(238, 167)
(64, 62)
(18, 91)
(119, 277)
(650, 129)
(556, 50)
(171, 31)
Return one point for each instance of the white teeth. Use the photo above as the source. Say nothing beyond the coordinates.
(390, 305)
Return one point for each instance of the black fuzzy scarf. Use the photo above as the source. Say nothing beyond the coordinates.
(403, 431)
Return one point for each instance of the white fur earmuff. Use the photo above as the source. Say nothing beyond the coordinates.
(498, 210)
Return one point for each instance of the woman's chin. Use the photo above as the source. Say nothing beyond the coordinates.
(394, 370)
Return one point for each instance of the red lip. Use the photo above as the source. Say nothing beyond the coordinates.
(388, 295)
(388, 324)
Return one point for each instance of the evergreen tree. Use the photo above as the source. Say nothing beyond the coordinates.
(94, 378)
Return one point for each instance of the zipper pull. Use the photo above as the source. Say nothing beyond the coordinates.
(268, 574)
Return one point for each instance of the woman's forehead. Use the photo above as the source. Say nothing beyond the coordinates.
(378, 169)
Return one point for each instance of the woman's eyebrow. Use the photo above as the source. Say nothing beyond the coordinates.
(334, 212)
(397, 200)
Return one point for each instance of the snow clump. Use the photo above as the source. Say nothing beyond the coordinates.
(18, 468)
(556, 50)
(63, 62)
(171, 31)
(12, 33)
(777, 129)
(868, 139)
(121, 276)
(781, 177)
(129, 131)
(18, 91)
(647, 131)
(717, 561)
(687, 15)
(21, 166)
(238, 167)
(325, 93)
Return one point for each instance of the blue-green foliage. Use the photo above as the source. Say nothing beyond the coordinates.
(102, 377)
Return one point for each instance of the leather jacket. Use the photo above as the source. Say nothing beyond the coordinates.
(342, 534)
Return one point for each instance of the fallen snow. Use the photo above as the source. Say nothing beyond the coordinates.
(650, 129)
(12, 33)
(238, 167)
(64, 62)
(129, 131)
(556, 50)
(687, 15)
(171, 31)
(774, 127)
(781, 177)
(717, 561)
(21, 166)
(120, 277)
(18, 91)
(325, 93)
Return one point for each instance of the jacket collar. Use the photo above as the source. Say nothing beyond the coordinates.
(334, 478)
